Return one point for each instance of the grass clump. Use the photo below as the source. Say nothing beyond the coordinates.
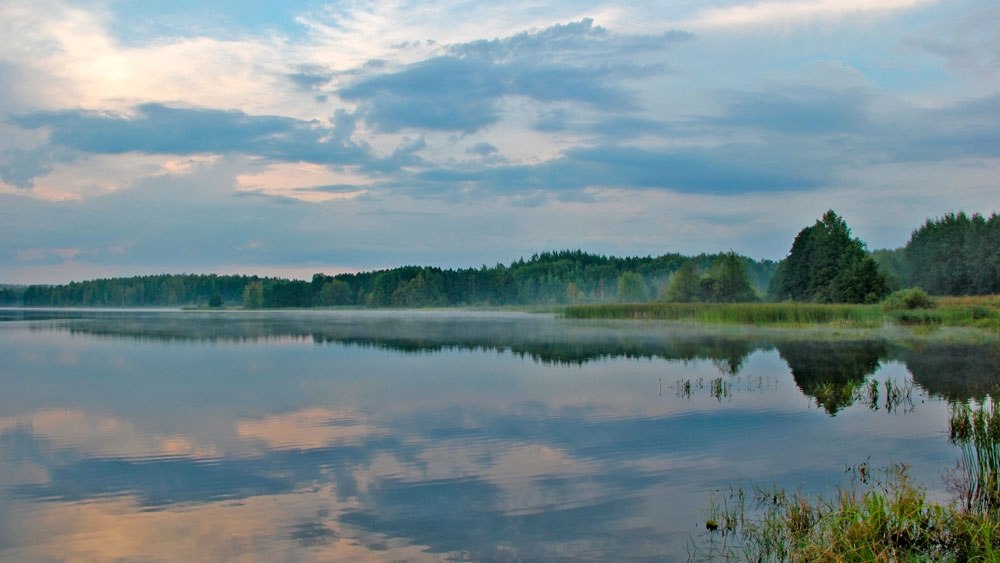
(977, 432)
(880, 516)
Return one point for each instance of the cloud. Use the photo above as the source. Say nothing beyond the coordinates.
(20, 167)
(806, 111)
(310, 76)
(460, 91)
(483, 149)
(159, 129)
(689, 170)
(564, 42)
(796, 12)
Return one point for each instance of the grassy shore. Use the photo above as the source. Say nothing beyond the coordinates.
(880, 516)
(974, 312)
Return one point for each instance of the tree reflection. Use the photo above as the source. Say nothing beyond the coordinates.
(832, 371)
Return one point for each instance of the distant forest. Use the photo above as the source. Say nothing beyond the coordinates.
(548, 278)
(957, 254)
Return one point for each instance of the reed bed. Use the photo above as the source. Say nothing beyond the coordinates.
(880, 516)
(761, 314)
(977, 432)
(957, 312)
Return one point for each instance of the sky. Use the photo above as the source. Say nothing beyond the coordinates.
(288, 138)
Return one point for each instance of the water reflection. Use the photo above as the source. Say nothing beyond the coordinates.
(829, 370)
(389, 436)
(832, 371)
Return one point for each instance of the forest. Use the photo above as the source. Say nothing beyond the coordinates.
(957, 254)
(548, 278)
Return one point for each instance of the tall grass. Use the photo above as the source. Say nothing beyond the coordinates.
(977, 432)
(983, 312)
(791, 314)
(880, 516)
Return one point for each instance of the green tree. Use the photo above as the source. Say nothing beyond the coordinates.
(253, 295)
(683, 285)
(572, 292)
(957, 254)
(631, 288)
(215, 301)
(826, 265)
(335, 292)
(730, 282)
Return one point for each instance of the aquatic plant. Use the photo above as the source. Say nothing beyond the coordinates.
(880, 516)
(977, 433)
(790, 314)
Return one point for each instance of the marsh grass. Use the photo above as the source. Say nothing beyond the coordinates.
(880, 516)
(789, 314)
(889, 395)
(973, 312)
(977, 433)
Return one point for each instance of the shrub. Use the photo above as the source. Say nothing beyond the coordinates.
(908, 299)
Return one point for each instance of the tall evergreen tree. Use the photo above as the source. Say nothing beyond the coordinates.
(729, 281)
(827, 265)
(957, 254)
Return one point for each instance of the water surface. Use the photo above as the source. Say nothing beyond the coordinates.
(168, 435)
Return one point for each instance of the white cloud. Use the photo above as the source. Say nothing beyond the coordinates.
(95, 175)
(297, 180)
(75, 61)
(789, 13)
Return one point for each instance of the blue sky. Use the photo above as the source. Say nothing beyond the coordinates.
(292, 138)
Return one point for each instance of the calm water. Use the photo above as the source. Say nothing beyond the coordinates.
(379, 435)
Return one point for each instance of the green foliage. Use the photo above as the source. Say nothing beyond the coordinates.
(763, 314)
(631, 288)
(684, 284)
(335, 292)
(977, 432)
(727, 281)
(140, 291)
(908, 300)
(11, 295)
(215, 301)
(892, 266)
(880, 516)
(826, 265)
(253, 295)
(549, 278)
(957, 254)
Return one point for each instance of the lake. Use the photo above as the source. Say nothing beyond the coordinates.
(388, 435)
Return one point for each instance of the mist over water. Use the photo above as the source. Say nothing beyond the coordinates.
(418, 435)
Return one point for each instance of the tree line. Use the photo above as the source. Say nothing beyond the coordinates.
(956, 254)
(547, 278)
(165, 290)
